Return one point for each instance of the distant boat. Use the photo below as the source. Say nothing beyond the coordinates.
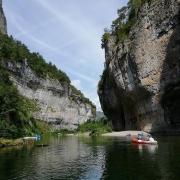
(30, 138)
(34, 138)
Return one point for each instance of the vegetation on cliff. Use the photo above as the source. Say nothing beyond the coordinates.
(15, 51)
(77, 95)
(120, 28)
(15, 110)
(127, 17)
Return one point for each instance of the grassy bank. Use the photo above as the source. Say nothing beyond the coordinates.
(91, 127)
(39, 128)
(10, 142)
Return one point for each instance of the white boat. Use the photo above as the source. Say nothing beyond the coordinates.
(31, 138)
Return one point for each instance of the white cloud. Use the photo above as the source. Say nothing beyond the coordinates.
(35, 28)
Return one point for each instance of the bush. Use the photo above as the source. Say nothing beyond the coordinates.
(16, 111)
(121, 28)
(95, 127)
(105, 38)
(77, 95)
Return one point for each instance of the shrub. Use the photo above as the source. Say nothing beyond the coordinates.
(15, 110)
(95, 127)
(77, 95)
(105, 38)
(121, 28)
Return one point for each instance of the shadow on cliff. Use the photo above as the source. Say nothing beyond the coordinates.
(170, 80)
(120, 105)
(109, 98)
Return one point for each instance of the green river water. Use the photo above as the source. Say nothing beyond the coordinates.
(87, 158)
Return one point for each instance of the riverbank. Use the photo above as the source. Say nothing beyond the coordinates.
(20, 141)
(11, 142)
(111, 134)
(124, 133)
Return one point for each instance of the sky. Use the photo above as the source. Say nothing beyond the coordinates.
(67, 33)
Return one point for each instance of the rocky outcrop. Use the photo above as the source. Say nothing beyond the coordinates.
(3, 26)
(140, 86)
(57, 104)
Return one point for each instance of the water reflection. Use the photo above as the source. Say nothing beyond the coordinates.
(152, 149)
(126, 161)
(64, 158)
(92, 158)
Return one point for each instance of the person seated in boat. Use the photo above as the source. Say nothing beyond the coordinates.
(140, 136)
(151, 139)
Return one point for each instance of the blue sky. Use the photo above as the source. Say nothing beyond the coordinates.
(67, 33)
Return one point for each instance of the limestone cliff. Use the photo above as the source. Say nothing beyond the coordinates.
(140, 86)
(57, 103)
(3, 26)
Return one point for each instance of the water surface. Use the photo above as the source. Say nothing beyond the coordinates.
(69, 158)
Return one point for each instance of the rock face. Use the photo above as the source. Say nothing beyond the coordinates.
(140, 88)
(57, 104)
(3, 26)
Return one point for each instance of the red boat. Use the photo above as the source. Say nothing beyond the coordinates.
(138, 141)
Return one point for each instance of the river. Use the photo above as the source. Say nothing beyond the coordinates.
(87, 158)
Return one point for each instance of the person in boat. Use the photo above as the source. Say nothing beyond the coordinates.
(151, 139)
(140, 136)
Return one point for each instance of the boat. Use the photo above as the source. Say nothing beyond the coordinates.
(32, 138)
(141, 141)
(29, 138)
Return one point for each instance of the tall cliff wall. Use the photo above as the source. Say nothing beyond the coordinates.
(140, 86)
(3, 26)
(57, 104)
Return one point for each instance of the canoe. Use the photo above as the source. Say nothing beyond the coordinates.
(137, 141)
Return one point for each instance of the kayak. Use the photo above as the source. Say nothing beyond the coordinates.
(137, 141)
